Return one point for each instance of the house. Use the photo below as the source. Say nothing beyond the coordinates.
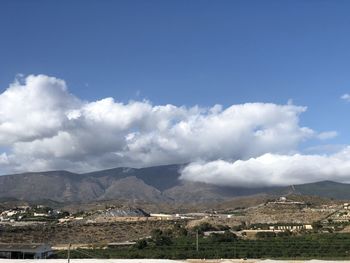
(282, 199)
(290, 227)
(25, 251)
(208, 233)
(10, 213)
(251, 233)
(40, 214)
(162, 216)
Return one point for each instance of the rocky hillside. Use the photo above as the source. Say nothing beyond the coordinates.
(154, 184)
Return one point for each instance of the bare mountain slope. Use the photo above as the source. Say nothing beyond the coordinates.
(154, 184)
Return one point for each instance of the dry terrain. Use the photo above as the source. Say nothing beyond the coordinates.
(103, 229)
(82, 232)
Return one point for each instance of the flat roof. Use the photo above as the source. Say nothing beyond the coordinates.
(28, 247)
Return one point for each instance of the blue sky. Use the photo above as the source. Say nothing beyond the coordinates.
(188, 52)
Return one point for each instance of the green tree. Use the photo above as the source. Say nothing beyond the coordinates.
(205, 226)
(265, 234)
(316, 225)
(141, 244)
(227, 236)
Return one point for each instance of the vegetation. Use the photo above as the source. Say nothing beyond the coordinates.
(205, 226)
(321, 246)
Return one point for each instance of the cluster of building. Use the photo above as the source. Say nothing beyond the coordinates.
(27, 213)
(291, 227)
(189, 216)
(341, 215)
(13, 214)
(284, 201)
(251, 233)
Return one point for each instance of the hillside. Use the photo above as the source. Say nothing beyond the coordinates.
(158, 184)
(326, 189)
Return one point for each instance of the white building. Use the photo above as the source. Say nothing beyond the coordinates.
(25, 251)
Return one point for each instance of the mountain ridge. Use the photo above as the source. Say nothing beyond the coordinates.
(157, 184)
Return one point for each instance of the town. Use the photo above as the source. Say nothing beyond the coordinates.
(121, 228)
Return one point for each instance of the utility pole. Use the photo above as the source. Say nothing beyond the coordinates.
(234, 249)
(68, 254)
(197, 244)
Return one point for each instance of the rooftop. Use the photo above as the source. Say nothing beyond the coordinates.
(27, 246)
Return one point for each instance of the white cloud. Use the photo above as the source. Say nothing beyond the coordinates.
(34, 110)
(4, 159)
(327, 135)
(346, 97)
(45, 127)
(272, 170)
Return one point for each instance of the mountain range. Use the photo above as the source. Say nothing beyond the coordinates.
(159, 184)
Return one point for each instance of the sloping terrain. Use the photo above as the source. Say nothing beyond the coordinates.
(326, 189)
(158, 184)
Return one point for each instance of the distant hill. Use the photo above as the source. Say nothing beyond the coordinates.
(158, 184)
(325, 189)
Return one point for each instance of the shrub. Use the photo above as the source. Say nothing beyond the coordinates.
(140, 244)
(227, 236)
(265, 234)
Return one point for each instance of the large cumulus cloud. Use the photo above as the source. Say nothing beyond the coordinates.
(44, 127)
(272, 170)
(34, 110)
